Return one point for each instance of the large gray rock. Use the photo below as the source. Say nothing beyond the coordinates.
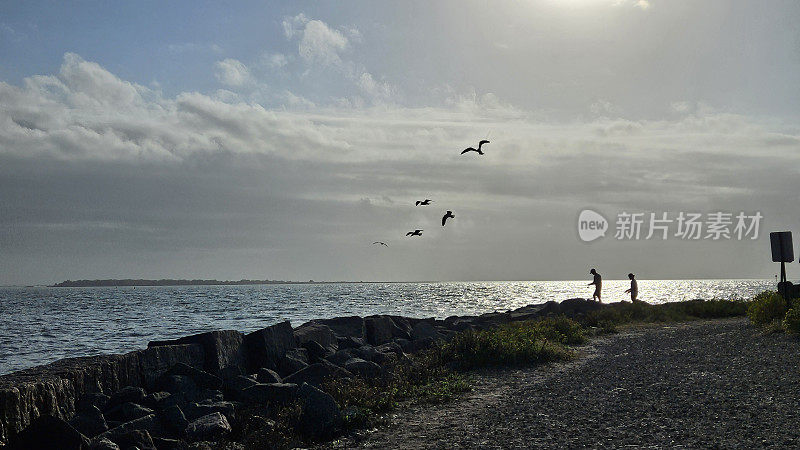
(268, 376)
(316, 351)
(350, 326)
(235, 386)
(320, 415)
(267, 393)
(200, 377)
(221, 348)
(317, 373)
(181, 386)
(382, 329)
(53, 389)
(127, 412)
(196, 410)
(92, 400)
(129, 394)
(149, 423)
(267, 346)
(208, 428)
(578, 306)
(103, 444)
(89, 421)
(136, 439)
(424, 330)
(313, 331)
(365, 369)
(49, 432)
(341, 357)
(290, 365)
(173, 419)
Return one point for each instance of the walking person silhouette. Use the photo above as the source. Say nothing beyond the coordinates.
(598, 285)
(634, 290)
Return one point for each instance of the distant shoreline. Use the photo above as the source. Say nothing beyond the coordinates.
(171, 282)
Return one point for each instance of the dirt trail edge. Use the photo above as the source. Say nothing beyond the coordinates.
(718, 383)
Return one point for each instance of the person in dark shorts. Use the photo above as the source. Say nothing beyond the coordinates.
(598, 285)
(634, 290)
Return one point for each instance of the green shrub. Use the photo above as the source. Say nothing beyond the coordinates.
(766, 307)
(791, 322)
(514, 344)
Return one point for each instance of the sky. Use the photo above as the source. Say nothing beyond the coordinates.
(278, 140)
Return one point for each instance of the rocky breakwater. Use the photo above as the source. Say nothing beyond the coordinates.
(192, 389)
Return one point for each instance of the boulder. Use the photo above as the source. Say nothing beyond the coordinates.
(103, 444)
(341, 357)
(173, 419)
(155, 399)
(136, 439)
(365, 369)
(170, 444)
(55, 388)
(149, 423)
(382, 329)
(208, 428)
(424, 330)
(129, 394)
(127, 412)
(268, 376)
(367, 352)
(267, 393)
(320, 415)
(550, 308)
(390, 347)
(298, 353)
(179, 384)
(290, 365)
(196, 410)
(89, 421)
(316, 351)
(92, 400)
(578, 306)
(317, 373)
(221, 348)
(349, 326)
(235, 386)
(350, 342)
(313, 331)
(267, 346)
(49, 432)
(200, 377)
(210, 395)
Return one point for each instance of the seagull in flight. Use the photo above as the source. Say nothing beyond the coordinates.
(477, 150)
(425, 202)
(449, 215)
(379, 242)
(414, 233)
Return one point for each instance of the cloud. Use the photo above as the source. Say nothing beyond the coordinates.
(320, 44)
(231, 72)
(92, 165)
(275, 60)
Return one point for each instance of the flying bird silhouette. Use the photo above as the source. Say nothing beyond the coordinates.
(449, 215)
(414, 233)
(477, 150)
(379, 242)
(425, 202)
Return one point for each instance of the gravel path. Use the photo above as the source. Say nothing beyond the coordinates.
(706, 384)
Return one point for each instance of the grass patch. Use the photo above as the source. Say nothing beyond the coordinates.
(611, 316)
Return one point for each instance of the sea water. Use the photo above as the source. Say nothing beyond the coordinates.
(40, 324)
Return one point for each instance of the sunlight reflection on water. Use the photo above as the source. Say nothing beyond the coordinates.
(40, 325)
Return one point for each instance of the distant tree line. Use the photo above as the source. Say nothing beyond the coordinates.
(169, 282)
